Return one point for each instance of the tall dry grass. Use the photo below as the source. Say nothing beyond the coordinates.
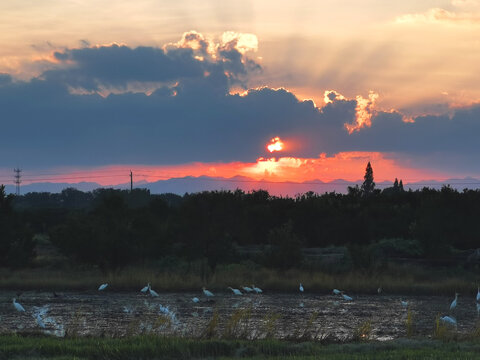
(407, 280)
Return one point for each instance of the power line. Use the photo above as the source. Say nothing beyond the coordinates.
(75, 177)
(115, 174)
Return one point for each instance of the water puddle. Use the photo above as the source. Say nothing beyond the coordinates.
(250, 316)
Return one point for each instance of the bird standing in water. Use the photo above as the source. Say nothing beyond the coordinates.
(453, 305)
(102, 287)
(18, 306)
(207, 293)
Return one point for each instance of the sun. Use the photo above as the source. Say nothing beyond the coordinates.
(275, 144)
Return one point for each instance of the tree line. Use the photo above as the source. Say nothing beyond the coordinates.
(114, 228)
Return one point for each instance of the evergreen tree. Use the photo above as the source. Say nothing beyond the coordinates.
(368, 185)
(400, 186)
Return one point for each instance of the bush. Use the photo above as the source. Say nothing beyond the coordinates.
(285, 249)
(398, 247)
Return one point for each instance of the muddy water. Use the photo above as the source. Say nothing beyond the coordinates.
(252, 316)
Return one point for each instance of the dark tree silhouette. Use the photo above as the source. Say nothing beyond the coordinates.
(16, 243)
(368, 185)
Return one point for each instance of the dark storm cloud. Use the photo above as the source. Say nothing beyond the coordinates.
(5, 79)
(115, 66)
(194, 118)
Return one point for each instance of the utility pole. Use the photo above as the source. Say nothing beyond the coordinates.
(131, 181)
(18, 180)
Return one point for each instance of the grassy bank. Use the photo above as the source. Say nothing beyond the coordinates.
(395, 280)
(174, 348)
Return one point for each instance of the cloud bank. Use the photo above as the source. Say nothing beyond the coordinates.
(82, 112)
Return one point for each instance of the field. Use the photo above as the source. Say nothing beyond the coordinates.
(396, 279)
(150, 347)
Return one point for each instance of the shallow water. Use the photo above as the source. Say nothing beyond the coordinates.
(279, 315)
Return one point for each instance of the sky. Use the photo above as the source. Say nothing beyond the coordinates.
(166, 89)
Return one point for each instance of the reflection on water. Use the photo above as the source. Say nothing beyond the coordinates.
(251, 316)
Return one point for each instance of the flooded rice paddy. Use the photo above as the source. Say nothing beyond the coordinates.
(279, 315)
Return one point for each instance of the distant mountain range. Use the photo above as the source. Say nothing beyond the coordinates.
(191, 184)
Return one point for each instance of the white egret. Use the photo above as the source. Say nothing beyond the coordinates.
(102, 287)
(235, 291)
(164, 309)
(152, 292)
(453, 305)
(404, 303)
(18, 306)
(207, 293)
(247, 289)
(346, 297)
(336, 292)
(478, 294)
(145, 289)
(196, 300)
(301, 288)
(128, 309)
(379, 290)
(257, 289)
(449, 320)
(40, 321)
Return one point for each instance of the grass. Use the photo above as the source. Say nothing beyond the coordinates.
(151, 347)
(410, 324)
(396, 279)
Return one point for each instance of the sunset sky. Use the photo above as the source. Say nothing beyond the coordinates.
(91, 89)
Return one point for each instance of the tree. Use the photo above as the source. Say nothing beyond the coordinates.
(17, 247)
(368, 185)
(102, 236)
(285, 249)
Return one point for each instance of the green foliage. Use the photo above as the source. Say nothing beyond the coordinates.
(399, 247)
(269, 325)
(410, 324)
(211, 328)
(309, 332)
(366, 257)
(443, 331)
(17, 247)
(159, 347)
(113, 228)
(102, 237)
(237, 326)
(363, 331)
(285, 250)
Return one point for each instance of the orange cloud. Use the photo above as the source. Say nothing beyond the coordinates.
(364, 109)
(275, 145)
(241, 41)
(363, 112)
(439, 15)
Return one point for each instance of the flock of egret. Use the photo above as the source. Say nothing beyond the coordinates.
(342, 293)
(450, 319)
(447, 319)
